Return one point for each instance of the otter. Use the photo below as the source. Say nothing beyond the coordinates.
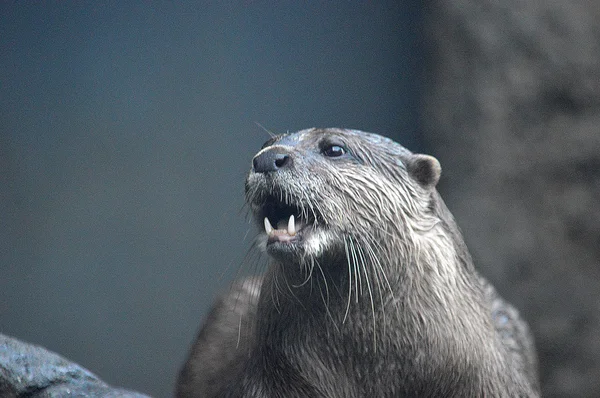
(369, 291)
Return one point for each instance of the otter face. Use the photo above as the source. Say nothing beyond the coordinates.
(316, 191)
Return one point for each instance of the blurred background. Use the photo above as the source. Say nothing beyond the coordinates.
(126, 131)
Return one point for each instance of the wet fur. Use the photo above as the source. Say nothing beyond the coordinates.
(383, 302)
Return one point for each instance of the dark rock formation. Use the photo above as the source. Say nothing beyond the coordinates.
(512, 111)
(30, 371)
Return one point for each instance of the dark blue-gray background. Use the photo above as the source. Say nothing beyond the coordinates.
(125, 134)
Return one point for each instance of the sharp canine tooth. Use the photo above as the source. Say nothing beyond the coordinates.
(268, 227)
(291, 226)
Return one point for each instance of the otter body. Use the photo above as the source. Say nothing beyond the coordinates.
(369, 292)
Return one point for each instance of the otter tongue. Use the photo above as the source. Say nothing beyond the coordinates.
(283, 227)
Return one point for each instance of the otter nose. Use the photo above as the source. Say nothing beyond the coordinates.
(271, 160)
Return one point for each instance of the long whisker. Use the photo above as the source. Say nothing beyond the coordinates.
(249, 257)
(349, 280)
(290, 289)
(271, 134)
(309, 275)
(357, 276)
(379, 278)
(375, 259)
(275, 295)
(368, 283)
(326, 297)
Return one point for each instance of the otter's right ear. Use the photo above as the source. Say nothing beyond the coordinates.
(425, 169)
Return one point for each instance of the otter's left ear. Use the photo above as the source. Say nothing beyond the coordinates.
(425, 169)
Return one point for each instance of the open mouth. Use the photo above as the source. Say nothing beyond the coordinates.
(285, 224)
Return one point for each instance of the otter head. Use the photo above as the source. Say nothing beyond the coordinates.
(318, 191)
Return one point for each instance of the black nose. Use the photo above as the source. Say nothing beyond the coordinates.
(271, 160)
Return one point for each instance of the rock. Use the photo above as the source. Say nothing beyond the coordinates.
(28, 370)
(512, 111)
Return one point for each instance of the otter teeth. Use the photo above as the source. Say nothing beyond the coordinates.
(291, 226)
(281, 227)
(268, 227)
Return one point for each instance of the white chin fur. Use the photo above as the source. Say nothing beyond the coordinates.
(318, 242)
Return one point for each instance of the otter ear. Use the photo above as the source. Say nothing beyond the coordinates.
(425, 169)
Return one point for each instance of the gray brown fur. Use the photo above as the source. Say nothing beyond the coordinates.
(386, 303)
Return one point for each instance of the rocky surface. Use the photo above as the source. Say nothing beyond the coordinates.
(27, 370)
(512, 111)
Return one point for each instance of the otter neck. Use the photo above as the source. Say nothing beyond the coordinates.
(371, 284)
(419, 319)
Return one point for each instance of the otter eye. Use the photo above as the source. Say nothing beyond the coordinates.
(334, 151)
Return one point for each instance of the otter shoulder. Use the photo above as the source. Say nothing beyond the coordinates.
(222, 342)
(513, 332)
